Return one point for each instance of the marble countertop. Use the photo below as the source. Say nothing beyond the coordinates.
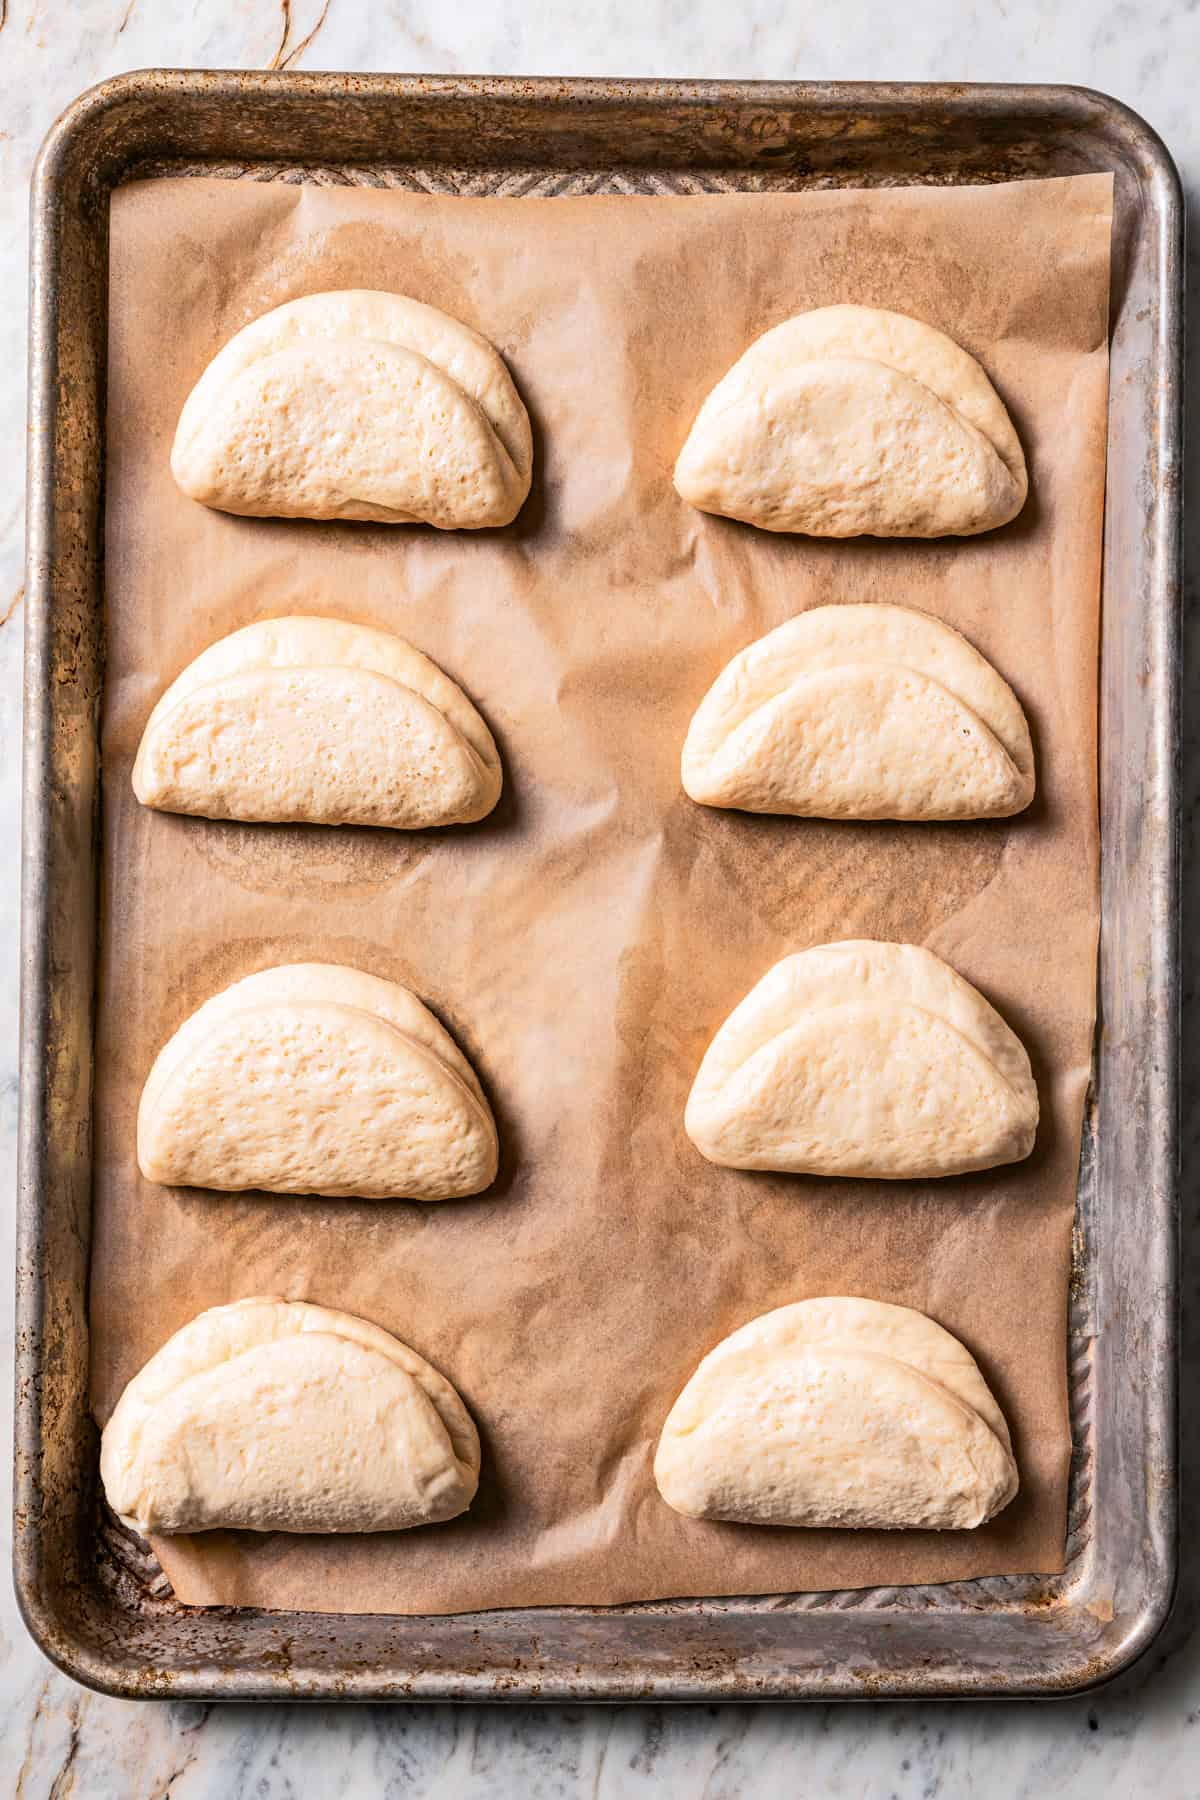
(1135, 1738)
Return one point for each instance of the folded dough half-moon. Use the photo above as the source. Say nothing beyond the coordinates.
(315, 1078)
(861, 712)
(357, 405)
(275, 1415)
(866, 1059)
(838, 1412)
(309, 719)
(852, 420)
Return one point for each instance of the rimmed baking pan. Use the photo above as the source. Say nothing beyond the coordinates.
(89, 1602)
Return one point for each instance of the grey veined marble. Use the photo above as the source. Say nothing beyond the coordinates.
(1139, 1738)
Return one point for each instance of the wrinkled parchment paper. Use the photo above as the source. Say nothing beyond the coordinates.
(587, 940)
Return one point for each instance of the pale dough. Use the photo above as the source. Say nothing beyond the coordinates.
(357, 405)
(275, 1415)
(852, 420)
(315, 720)
(861, 712)
(864, 1059)
(838, 1412)
(315, 1078)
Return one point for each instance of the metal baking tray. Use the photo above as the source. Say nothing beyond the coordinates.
(92, 1607)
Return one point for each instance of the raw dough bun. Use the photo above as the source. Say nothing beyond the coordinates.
(867, 1059)
(861, 712)
(315, 1078)
(357, 405)
(851, 420)
(274, 1415)
(838, 1412)
(312, 720)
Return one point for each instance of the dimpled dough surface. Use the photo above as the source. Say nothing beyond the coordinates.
(316, 1079)
(861, 712)
(357, 406)
(841, 1439)
(273, 1416)
(850, 421)
(868, 1059)
(586, 942)
(316, 720)
(845, 1322)
(839, 1412)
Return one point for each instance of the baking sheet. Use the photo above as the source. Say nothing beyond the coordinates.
(585, 942)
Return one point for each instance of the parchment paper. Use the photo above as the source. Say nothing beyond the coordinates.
(585, 943)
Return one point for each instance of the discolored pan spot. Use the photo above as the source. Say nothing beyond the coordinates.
(876, 264)
(365, 257)
(320, 860)
(808, 881)
(228, 960)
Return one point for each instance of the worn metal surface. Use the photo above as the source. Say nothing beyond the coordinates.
(91, 1600)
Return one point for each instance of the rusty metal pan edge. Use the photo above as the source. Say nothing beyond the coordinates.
(993, 1638)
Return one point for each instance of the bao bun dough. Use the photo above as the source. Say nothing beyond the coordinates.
(864, 1059)
(357, 405)
(312, 720)
(851, 420)
(315, 1078)
(861, 712)
(274, 1415)
(838, 1412)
